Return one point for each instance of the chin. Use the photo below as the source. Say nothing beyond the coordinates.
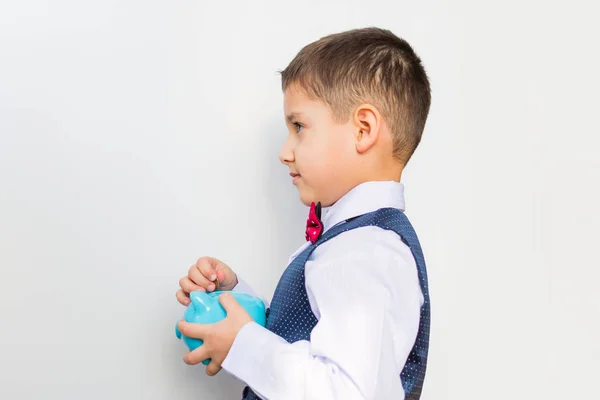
(305, 200)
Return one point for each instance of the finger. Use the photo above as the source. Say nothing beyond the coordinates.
(208, 267)
(193, 330)
(229, 303)
(182, 297)
(188, 286)
(221, 275)
(212, 368)
(196, 277)
(196, 356)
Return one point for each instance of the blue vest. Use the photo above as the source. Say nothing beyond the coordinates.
(291, 317)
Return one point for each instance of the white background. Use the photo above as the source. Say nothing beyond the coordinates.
(137, 136)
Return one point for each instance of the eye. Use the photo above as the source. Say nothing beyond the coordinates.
(298, 126)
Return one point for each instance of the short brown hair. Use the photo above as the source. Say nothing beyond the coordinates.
(367, 65)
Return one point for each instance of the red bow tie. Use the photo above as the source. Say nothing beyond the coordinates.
(314, 226)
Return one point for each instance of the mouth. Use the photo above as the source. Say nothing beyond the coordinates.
(295, 177)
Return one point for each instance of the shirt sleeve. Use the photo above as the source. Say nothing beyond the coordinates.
(243, 287)
(353, 349)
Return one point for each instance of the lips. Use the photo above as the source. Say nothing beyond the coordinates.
(295, 177)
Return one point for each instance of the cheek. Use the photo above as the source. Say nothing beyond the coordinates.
(311, 154)
(322, 156)
(339, 148)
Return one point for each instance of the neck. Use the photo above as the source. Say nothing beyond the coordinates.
(390, 173)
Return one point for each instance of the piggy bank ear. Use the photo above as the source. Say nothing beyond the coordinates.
(201, 301)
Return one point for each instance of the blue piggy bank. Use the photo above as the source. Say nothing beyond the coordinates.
(206, 309)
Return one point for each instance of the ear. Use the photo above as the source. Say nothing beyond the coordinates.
(367, 121)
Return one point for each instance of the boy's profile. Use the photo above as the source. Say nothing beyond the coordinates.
(349, 318)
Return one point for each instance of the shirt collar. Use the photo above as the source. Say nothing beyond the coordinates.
(362, 199)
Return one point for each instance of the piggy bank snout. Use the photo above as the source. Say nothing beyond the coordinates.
(201, 301)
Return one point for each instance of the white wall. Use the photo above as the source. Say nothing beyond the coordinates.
(136, 136)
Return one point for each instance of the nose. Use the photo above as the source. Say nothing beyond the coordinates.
(286, 154)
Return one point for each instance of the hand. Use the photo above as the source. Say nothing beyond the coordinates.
(203, 276)
(217, 337)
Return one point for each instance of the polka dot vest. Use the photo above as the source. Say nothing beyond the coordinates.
(291, 317)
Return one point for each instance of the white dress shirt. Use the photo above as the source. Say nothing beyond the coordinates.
(363, 288)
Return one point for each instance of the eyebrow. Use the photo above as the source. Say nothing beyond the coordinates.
(293, 116)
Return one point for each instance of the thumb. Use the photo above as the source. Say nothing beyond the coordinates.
(229, 303)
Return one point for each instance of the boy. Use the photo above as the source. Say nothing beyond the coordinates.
(350, 316)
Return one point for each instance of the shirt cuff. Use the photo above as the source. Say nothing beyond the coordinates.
(249, 356)
(243, 287)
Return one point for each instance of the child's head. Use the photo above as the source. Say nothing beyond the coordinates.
(355, 103)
